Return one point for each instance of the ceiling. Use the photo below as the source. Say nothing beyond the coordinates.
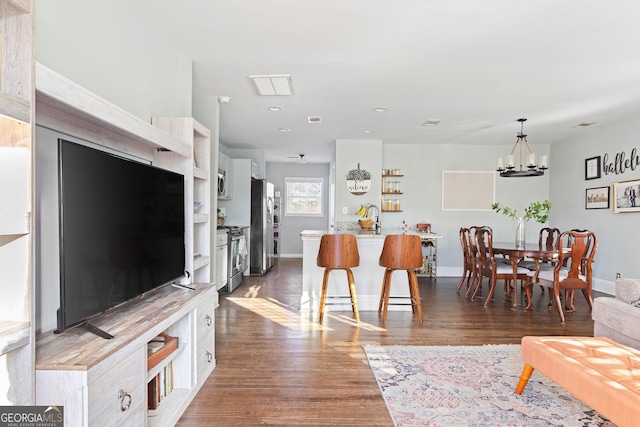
(477, 66)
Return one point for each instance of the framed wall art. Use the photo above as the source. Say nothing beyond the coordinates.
(592, 168)
(626, 196)
(468, 191)
(597, 198)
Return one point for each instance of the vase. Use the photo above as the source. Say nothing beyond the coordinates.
(521, 233)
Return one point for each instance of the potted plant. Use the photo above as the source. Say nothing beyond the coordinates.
(358, 181)
(538, 211)
(353, 174)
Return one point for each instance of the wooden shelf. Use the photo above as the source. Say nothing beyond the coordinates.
(392, 176)
(200, 262)
(384, 210)
(8, 238)
(169, 347)
(199, 173)
(69, 98)
(15, 108)
(200, 218)
(23, 5)
(172, 404)
(392, 193)
(14, 335)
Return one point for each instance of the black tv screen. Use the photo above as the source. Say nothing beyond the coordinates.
(122, 228)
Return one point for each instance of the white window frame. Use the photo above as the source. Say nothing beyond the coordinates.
(303, 180)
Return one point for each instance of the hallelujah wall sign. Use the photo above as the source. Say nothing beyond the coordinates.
(621, 163)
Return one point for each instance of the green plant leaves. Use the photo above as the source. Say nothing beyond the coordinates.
(537, 210)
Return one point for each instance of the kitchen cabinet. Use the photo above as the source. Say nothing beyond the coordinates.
(222, 258)
(238, 209)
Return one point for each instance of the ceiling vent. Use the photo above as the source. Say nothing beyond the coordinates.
(314, 119)
(273, 85)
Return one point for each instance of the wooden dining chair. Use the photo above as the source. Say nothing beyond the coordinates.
(572, 271)
(476, 258)
(491, 268)
(547, 237)
(468, 259)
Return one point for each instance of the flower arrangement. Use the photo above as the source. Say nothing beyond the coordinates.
(539, 211)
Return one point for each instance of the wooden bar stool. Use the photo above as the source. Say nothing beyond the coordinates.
(338, 252)
(401, 252)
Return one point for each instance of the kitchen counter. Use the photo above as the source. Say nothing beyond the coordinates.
(368, 275)
(368, 233)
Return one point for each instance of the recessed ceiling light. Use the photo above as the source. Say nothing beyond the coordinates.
(272, 85)
(314, 119)
(368, 131)
(284, 129)
(275, 108)
(584, 124)
(381, 109)
(432, 122)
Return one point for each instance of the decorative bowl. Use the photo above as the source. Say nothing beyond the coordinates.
(365, 223)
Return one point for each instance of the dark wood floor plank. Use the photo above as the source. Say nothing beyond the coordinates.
(278, 366)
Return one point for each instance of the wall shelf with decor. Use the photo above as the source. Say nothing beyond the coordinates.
(17, 308)
(391, 188)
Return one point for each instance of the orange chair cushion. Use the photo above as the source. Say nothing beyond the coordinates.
(598, 371)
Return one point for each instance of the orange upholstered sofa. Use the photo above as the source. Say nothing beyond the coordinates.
(598, 371)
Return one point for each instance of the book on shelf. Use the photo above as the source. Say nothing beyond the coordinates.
(160, 387)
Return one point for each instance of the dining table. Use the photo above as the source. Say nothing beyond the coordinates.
(516, 253)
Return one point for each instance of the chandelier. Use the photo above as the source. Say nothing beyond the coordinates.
(532, 168)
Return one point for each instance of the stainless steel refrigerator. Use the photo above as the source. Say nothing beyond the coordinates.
(261, 235)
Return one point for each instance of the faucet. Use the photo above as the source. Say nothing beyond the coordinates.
(376, 221)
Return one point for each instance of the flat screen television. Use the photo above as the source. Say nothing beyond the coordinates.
(122, 231)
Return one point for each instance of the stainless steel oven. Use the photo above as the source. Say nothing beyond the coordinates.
(238, 259)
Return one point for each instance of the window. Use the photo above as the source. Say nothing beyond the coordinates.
(303, 196)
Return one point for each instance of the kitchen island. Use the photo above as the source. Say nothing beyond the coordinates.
(368, 275)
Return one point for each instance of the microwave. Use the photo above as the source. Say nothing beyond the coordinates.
(223, 191)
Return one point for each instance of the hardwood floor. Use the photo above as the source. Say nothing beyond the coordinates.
(277, 366)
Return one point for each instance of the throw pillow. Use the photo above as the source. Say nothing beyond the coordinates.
(628, 290)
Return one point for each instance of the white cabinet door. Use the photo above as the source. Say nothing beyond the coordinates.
(221, 266)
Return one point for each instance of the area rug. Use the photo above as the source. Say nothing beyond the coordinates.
(470, 386)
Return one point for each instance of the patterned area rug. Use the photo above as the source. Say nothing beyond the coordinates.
(470, 386)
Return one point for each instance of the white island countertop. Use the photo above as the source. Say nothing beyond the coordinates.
(369, 233)
(368, 275)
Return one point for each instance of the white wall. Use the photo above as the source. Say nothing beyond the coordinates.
(131, 63)
(291, 226)
(618, 234)
(106, 48)
(350, 153)
(422, 166)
